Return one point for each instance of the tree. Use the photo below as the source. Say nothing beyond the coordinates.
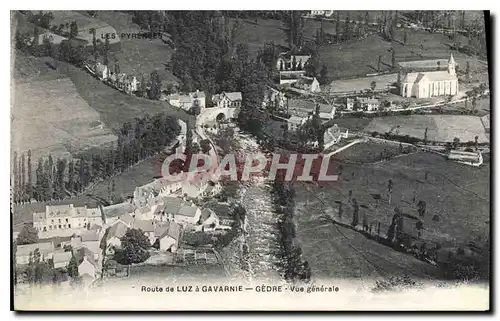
(389, 189)
(379, 63)
(393, 58)
(323, 74)
(405, 37)
(456, 142)
(73, 267)
(106, 51)
(476, 143)
(135, 247)
(294, 63)
(15, 174)
(29, 187)
(425, 135)
(355, 213)
(94, 43)
(28, 235)
(155, 91)
(373, 85)
(73, 33)
(467, 69)
(421, 208)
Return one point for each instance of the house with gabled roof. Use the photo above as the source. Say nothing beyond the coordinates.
(114, 235)
(168, 236)
(146, 226)
(310, 84)
(61, 259)
(88, 263)
(188, 214)
(227, 99)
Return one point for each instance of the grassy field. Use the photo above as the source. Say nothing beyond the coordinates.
(358, 58)
(114, 106)
(138, 56)
(256, 34)
(441, 128)
(459, 195)
(335, 252)
(373, 151)
(48, 114)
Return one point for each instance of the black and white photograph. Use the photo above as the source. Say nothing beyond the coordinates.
(250, 160)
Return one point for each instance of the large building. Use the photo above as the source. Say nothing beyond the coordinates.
(66, 217)
(431, 83)
(193, 99)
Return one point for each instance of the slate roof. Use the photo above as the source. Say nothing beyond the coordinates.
(206, 213)
(172, 205)
(417, 77)
(118, 230)
(61, 257)
(89, 236)
(234, 96)
(145, 225)
(172, 229)
(118, 209)
(187, 210)
(25, 250)
(295, 120)
(127, 218)
(83, 252)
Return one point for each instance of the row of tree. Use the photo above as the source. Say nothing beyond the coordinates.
(57, 179)
(293, 267)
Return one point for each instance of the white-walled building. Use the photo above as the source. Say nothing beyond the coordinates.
(431, 83)
(66, 218)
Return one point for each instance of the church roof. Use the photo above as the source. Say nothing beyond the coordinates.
(451, 61)
(417, 77)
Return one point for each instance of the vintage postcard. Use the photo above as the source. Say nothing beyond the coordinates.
(315, 160)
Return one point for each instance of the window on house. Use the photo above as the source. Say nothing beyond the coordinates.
(52, 221)
(69, 225)
(60, 226)
(45, 229)
(66, 220)
(59, 220)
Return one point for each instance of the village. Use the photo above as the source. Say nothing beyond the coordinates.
(426, 116)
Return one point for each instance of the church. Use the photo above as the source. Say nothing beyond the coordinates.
(431, 83)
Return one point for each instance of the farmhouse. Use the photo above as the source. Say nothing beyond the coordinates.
(88, 263)
(295, 122)
(227, 100)
(369, 104)
(66, 218)
(349, 103)
(186, 102)
(333, 135)
(61, 259)
(305, 108)
(310, 84)
(167, 236)
(430, 83)
(101, 71)
(274, 99)
(188, 214)
(113, 238)
(208, 218)
(148, 227)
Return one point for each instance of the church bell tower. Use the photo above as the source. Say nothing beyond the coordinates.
(451, 66)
